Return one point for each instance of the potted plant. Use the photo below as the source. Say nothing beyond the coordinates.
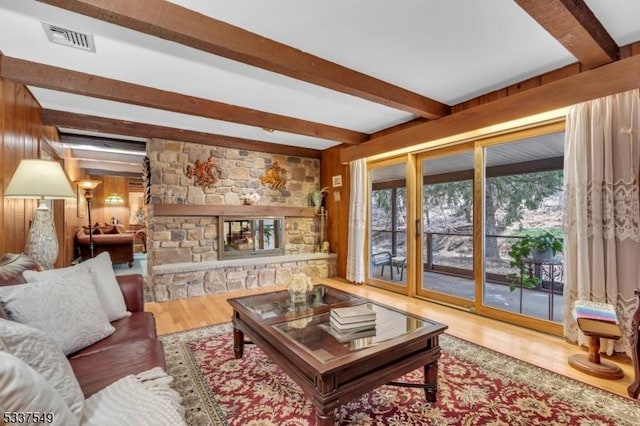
(538, 245)
(316, 198)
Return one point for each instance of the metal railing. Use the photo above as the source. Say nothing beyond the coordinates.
(458, 257)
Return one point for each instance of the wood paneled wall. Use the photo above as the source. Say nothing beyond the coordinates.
(102, 212)
(22, 133)
(20, 130)
(338, 210)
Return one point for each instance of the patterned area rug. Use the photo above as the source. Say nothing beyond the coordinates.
(477, 386)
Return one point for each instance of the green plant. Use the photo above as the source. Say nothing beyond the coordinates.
(540, 240)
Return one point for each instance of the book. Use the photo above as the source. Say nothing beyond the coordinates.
(348, 336)
(361, 325)
(351, 314)
(353, 320)
(595, 318)
(584, 309)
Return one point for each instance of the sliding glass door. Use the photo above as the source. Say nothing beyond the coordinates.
(446, 219)
(388, 225)
(523, 205)
(448, 225)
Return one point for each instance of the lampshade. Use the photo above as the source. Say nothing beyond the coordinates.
(88, 184)
(114, 199)
(39, 179)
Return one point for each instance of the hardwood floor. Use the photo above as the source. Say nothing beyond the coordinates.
(540, 349)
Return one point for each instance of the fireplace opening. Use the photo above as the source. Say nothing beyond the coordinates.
(245, 237)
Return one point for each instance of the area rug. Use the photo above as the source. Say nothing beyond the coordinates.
(477, 386)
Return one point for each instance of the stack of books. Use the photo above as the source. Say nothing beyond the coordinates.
(597, 319)
(352, 322)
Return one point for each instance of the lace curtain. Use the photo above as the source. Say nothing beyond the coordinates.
(602, 210)
(357, 221)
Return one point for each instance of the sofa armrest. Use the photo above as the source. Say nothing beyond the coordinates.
(132, 288)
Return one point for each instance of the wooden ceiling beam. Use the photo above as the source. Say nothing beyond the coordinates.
(108, 125)
(69, 81)
(575, 26)
(167, 20)
(605, 80)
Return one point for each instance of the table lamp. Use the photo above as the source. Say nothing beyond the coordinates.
(44, 180)
(89, 185)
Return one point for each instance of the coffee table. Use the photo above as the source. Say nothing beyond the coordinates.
(298, 338)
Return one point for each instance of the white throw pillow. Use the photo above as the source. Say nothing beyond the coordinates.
(42, 354)
(24, 391)
(104, 279)
(65, 308)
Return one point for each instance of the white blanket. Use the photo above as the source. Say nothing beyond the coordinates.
(142, 399)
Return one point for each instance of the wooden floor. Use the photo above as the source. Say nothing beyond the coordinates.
(544, 350)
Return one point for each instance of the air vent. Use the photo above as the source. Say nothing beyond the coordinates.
(67, 37)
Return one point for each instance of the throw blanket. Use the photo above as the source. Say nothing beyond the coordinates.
(141, 399)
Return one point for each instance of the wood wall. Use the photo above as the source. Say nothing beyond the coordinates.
(338, 211)
(102, 212)
(23, 135)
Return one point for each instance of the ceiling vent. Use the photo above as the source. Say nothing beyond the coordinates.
(67, 37)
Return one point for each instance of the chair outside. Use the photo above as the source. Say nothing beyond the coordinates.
(383, 259)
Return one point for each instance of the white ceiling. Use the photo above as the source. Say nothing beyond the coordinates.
(449, 51)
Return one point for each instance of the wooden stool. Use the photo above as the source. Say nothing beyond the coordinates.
(595, 329)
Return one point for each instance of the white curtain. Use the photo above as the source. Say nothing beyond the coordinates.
(602, 210)
(357, 221)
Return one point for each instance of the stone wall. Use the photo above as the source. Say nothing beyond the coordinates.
(181, 280)
(194, 239)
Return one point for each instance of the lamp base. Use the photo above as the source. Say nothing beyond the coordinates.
(42, 242)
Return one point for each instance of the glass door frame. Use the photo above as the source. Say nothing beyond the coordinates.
(420, 158)
(408, 288)
(414, 247)
(479, 225)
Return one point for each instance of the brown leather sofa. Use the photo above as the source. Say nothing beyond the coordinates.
(131, 349)
(119, 245)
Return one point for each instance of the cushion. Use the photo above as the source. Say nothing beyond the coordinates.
(13, 265)
(66, 308)
(42, 354)
(23, 390)
(104, 279)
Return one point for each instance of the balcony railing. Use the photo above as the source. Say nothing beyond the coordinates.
(451, 253)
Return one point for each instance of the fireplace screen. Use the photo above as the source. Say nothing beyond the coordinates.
(250, 237)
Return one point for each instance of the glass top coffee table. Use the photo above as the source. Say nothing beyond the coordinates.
(331, 370)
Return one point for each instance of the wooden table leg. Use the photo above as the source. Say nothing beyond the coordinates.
(325, 419)
(325, 412)
(431, 381)
(238, 343)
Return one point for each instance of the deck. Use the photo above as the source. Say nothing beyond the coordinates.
(534, 303)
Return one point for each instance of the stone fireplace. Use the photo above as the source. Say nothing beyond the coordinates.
(190, 226)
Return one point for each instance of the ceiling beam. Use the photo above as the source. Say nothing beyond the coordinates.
(69, 81)
(606, 80)
(108, 167)
(575, 26)
(112, 157)
(108, 125)
(167, 20)
(102, 142)
(100, 172)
